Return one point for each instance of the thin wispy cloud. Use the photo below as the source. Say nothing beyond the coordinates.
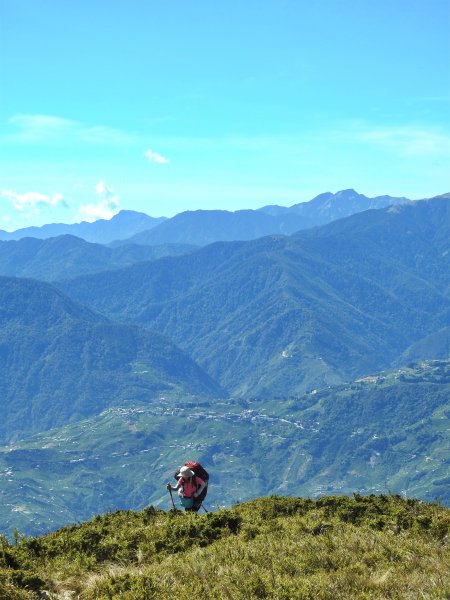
(409, 140)
(154, 157)
(39, 128)
(105, 208)
(53, 129)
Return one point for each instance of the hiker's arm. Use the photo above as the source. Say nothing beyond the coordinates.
(174, 488)
(200, 489)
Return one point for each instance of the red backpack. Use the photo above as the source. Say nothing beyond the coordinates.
(200, 472)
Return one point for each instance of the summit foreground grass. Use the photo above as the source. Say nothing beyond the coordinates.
(278, 547)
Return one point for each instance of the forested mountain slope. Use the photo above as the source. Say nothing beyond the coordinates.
(285, 314)
(61, 362)
(69, 256)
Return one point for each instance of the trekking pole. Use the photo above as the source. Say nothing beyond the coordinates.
(171, 497)
(201, 506)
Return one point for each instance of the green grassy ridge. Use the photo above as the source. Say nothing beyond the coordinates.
(387, 432)
(274, 547)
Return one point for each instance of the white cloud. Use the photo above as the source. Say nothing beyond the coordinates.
(92, 212)
(29, 203)
(107, 206)
(155, 157)
(103, 190)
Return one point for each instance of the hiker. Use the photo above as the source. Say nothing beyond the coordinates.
(189, 487)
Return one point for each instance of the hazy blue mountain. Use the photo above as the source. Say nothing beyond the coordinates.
(123, 225)
(436, 344)
(203, 227)
(329, 207)
(61, 362)
(385, 433)
(281, 315)
(68, 256)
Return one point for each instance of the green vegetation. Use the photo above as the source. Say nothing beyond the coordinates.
(61, 362)
(68, 256)
(334, 548)
(385, 433)
(284, 315)
(291, 326)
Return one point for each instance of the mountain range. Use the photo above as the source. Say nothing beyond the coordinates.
(123, 225)
(328, 207)
(206, 226)
(281, 315)
(310, 350)
(203, 227)
(69, 256)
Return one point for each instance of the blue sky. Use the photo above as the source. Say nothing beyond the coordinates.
(169, 106)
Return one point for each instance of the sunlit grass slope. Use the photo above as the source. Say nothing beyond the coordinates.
(282, 548)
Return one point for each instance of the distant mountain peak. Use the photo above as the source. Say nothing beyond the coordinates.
(126, 214)
(123, 225)
(349, 192)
